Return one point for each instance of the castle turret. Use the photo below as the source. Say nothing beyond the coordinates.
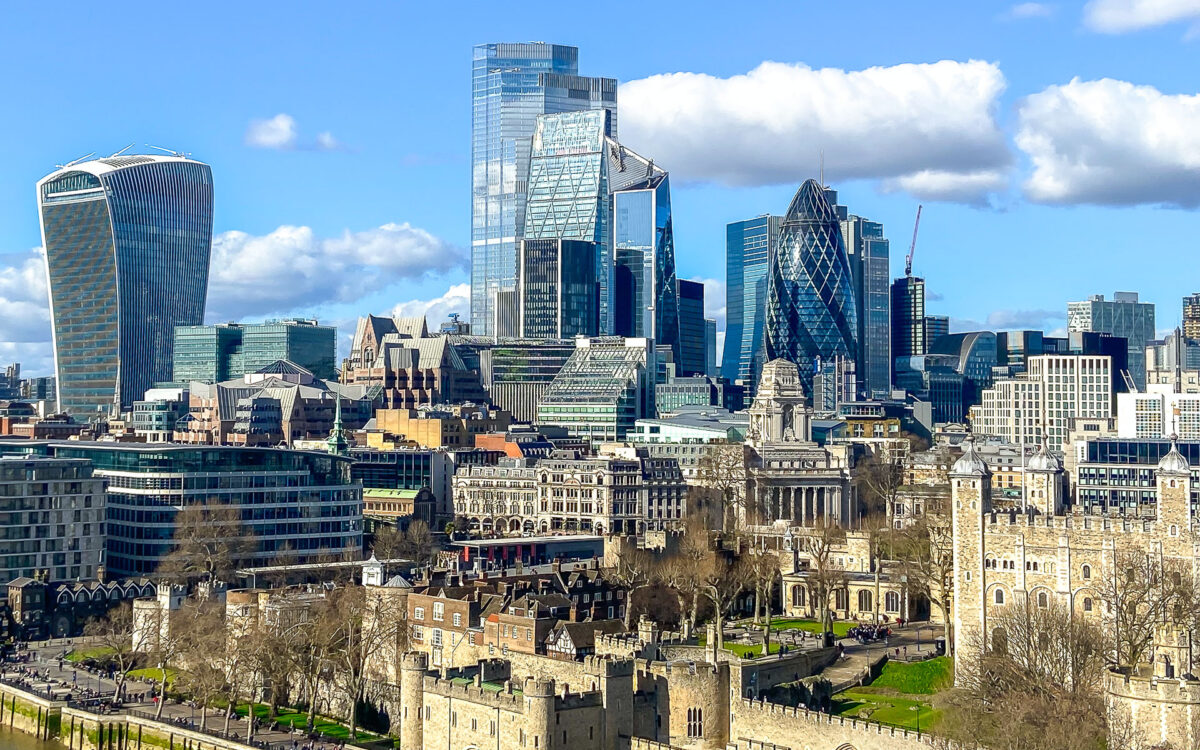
(613, 678)
(970, 492)
(1044, 474)
(539, 712)
(1174, 478)
(412, 700)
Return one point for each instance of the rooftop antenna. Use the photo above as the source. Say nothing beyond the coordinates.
(76, 161)
(823, 168)
(122, 151)
(179, 154)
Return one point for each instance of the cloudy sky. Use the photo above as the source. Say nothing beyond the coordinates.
(1055, 146)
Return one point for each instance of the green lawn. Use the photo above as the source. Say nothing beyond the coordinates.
(813, 626)
(918, 678)
(324, 724)
(153, 673)
(740, 649)
(894, 710)
(99, 652)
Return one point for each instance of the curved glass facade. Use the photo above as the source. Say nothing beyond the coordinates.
(810, 311)
(127, 243)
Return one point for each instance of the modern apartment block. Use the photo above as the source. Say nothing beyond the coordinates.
(1054, 390)
(127, 241)
(511, 84)
(51, 518)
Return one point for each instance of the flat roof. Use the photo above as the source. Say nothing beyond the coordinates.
(530, 540)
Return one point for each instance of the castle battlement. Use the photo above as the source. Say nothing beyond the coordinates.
(508, 698)
(608, 666)
(761, 712)
(999, 520)
(1152, 689)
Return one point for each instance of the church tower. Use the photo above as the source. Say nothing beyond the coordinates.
(970, 492)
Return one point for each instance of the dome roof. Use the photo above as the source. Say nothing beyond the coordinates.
(970, 462)
(1174, 462)
(1044, 460)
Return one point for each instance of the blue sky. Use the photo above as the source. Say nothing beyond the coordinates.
(1066, 159)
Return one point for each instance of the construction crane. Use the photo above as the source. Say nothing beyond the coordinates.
(913, 247)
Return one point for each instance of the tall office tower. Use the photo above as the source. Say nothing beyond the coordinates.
(1124, 316)
(936, 326)
(602, 390)
(1191, 316)
(869, 254)
(691, 329)
(511, 84)
(578, 175)
(908, 318)
(211, 354)
(711, 356)
(644, 296)
(749, 247)
(127, 243)
(204, 354)
(810, 311)
(557, 296)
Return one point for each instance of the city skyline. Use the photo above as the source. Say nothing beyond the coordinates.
(306, 186)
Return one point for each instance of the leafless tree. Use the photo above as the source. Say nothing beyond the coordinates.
(122, 644)
(1140, 594)
(418, 542)
(722, 578)
(681, 572)
(201, 674)
(721, 473)
(211, 542)
(634, 570)
(925, 551)
(361, 630)
(825, 576)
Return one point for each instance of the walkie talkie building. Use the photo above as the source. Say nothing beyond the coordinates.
(128, 240)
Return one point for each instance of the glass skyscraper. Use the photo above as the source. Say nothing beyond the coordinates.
(869, 254)
(211, 354)
(749, 246)
(511, 84)
(127, 241)
(1123, 316)
(691, 329)
(810, 312)
(645, 298)
(557, 292)
(908, 317)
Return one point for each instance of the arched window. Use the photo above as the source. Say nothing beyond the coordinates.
(695, 723)
(841, 599)
(1087, 604)
(864, 601)
(1087, 571)
(1176, 578)
(1043, 600)
(999, 641)
(892, 601)
(999, 596)
(797, 596)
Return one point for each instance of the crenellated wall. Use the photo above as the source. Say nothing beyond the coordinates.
(755, 725)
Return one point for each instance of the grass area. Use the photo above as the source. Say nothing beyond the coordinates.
(918, 678)
(81, 655)
(153, 673)
(840, 629)
(894, 710)
(293, 718)
(740, 649)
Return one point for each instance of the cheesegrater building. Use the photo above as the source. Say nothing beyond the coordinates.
(127, 241)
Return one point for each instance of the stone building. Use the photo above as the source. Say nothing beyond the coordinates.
(1049, 554)
(789, 477)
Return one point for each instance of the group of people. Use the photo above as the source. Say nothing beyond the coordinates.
(869, 633)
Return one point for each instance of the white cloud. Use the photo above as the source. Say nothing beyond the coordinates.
(1120, 16)
(1009, 320)
(1111, 142)
(277, 132)
(771, 125)
(457, 299)
(714, 300)
(965, 187)
(281, 133)
(1030, 10)
(292, 267)
(25, 313)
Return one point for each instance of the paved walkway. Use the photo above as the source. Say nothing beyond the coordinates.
(44, 669)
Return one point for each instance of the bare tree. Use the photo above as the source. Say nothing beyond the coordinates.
(722, 578)
(202, 675)
(721, 472)
(1139, 595)
(122, 643)
(211, 542)
(634, 570)
(925, 551)
(418, 542)
(361, 630)
(825, 575)
(681, 572)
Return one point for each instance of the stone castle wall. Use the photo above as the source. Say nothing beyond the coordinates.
(758, 725)
(1156, 710)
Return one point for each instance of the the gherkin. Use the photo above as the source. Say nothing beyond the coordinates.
(810, 313)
